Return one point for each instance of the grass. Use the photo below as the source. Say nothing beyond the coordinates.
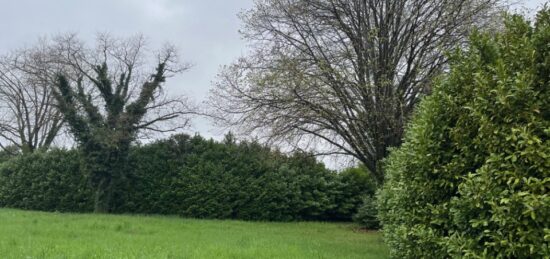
(27, 234)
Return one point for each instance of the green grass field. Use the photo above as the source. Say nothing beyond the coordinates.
(26, 234)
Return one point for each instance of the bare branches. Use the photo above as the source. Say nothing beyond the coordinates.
(29, 119)
(109, 85)
(111, 82)
(343, 72)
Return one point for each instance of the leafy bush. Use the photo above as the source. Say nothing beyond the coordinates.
(8, 153)
(201, 178)
(49, 181)
(357, 197)
(473, 174)
(355, 183)
(193, 177)
(367, 214)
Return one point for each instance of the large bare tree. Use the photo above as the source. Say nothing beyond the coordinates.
(29, 119)
(346, 73)
(108, 95)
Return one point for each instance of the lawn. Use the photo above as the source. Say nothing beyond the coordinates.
(26, 234)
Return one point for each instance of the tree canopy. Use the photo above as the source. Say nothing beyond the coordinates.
(341, 73)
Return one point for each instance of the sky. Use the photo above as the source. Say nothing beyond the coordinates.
(531, 5)
(204, 31)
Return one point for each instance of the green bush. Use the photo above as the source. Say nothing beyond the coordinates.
(472, 177)
(354, 184)
(8, 153)
(367, 214)
(192, 177)
(49, 181)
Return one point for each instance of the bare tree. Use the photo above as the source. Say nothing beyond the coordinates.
(108, 96)
(29, 119)
(346, 73)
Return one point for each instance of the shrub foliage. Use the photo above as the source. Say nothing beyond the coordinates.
(367, 214)
(472, 177)
(49, 181)
(192, 177)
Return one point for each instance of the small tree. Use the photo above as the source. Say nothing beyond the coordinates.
(472, 177)
(107, 100)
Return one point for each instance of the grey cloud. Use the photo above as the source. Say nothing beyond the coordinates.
(205, 32)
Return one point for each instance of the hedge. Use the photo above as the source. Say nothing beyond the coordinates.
(192, 177)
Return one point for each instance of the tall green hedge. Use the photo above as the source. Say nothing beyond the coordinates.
(199, 178)
(472, 177)
(49, 181)
(193, 177)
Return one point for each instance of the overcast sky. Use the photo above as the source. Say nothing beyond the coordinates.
(205, 31)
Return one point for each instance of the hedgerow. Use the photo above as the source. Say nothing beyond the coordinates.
(192, 177)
